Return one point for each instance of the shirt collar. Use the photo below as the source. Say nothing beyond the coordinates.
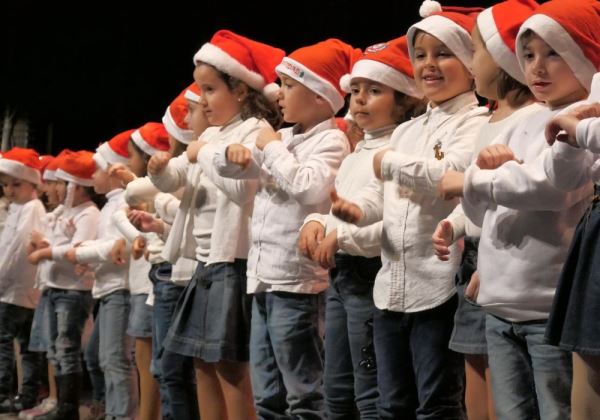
(376, 138)
(451, 106)
(232, 123)
(297, 138)
(114, 193)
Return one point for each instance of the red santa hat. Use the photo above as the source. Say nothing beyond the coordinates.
(77, 167)
(387, 63)
(50, 171)
(192, 93)
(572, 29)
(113, 151)
(22, 164)
(320, 67)
(249, 61)
(151, 138)
(451, 25)
(45, 160)
(174, 118)
(498, 26)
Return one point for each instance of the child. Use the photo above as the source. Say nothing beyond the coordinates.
(572, 163)
(527, 223)
(70, 300)
(418, 376)
(499, 79)
(384, 95)
(212, 320)
(20, 172)
(111, 286)
(296, 167)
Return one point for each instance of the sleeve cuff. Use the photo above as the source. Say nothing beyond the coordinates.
(272, 152)
(478, 184)
(581, 132)
(315, 217)
(58, 252)
(220, 157)
(391, 160)
(84, 254)
(566, 152)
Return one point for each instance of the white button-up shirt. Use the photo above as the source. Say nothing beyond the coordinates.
(296, 177)
(412, 278)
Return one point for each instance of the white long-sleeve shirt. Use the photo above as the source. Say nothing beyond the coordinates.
(355, 173)
(109, 277)
(527, 227)
(461, 224)
(73, 226)
(296, 176)
(412, 279)
(17, 275)
(45, 266)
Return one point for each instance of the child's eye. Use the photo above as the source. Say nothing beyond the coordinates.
(528, 56)
(553, 53)
(354, 90)
(374, 91)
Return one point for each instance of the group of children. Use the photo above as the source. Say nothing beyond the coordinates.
(426, 257)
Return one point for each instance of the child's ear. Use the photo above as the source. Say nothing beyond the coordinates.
(241, 91)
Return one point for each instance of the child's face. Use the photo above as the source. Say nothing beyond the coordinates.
(196, 119)
(101, 181)
(548, 76)
(485, 70)
(219, 103)
(438, 72)
(296, 101)
(371, 104)
(17, 190)
(61, 191)
(136, 162)
(51, 195)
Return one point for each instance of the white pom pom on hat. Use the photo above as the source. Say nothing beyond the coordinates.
(271, 91)
(429, 7)
(345, 82)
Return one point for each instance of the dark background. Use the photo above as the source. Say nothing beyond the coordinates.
(81, 76)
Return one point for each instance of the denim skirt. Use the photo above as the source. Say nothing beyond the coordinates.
(468, 335)
(573, 324)
(212, 318)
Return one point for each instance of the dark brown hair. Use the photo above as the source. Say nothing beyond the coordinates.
(407, 107)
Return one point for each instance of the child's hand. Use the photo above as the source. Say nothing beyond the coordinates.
(34, 257)
(193, 149)
(138, 247)
(158, 163)
(118, 254)
(71, 256)
(345, 210)
(563, 127)
(121, 172)
(311, 236)
(265, 136)
(442, 239)
(377, 159)
(145, 222)
(80, 269)
(238, 154)
(494, 156)
(451, 185)
(325, 254)
(472, 290)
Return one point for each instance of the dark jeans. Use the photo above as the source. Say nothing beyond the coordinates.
(91, 356)
(15, 323)
(419, 376)
(349, 384)
(174, 372)
(286, 355)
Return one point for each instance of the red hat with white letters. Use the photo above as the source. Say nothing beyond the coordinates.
(77, 167)
(23, 164)
(113, 151)
(151, 138)
(320, 67)
(250, 61)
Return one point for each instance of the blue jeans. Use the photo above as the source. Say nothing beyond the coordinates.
(174, 372)
(15, 323)
(419, 377)
(69, 311)
(286, 348)
(530, 378)
(350, 384)
(114, 350)
(91, 356)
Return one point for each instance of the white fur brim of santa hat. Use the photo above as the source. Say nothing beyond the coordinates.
(452, 35)
(49, 175)
(302, 74)
(191, 96)
(560, 41)
(180, 134)
(137, 138)
(595, 92)
(500, 52)
(218, 58)
(65, 176)
(384, 74)
(109, 156)
(20, 171)
(100, 161)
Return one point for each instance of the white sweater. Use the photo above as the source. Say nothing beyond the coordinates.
(412, 279)
(355, 173)
(527, 225)
(296, 176)
(109, 277)
(17, 275)
(45, 266)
